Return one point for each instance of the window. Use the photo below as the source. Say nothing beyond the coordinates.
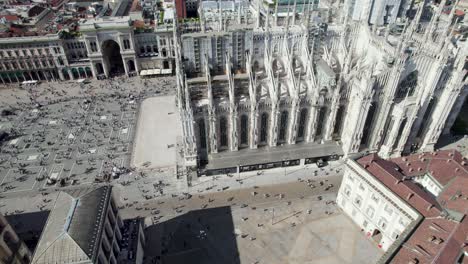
(370, 211)
(93, 47)
(347, 190)
(383, 223)
(402, 221)
(388, 209)
(365, 223)
(244, 129)
(375, 198)
(361, 187)
(202, 132)
(283, 125)
(302, 123)
(358, 200)
(396, 234)
(264, 127)
(223, 131)
(126, 43)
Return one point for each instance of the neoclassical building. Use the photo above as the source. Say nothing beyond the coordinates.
(100, 48)
(285, 83)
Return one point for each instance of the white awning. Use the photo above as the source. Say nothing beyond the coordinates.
(30, 82)
(155, 72)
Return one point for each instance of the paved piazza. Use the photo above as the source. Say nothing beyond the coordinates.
(277, 232)
(158, 129)
(80, 135)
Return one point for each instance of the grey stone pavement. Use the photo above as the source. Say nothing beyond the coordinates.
(294, 222)
(80, 133)
(158, 129)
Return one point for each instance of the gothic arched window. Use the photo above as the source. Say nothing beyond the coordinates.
(408, 85)
(244, 130)
(283, 125)
(223, 131)
(202, 133)
(264, 127)
(302, 123)
(321, 120)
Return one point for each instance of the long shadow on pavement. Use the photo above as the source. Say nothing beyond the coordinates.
(29, 226)
(202, 236)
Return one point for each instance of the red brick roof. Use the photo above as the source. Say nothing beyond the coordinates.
(440, 237)
(442, 165)
(10, 18)
(390, 175)
(434, 241)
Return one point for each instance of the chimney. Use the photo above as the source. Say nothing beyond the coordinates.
(429, 207)
(409, 196)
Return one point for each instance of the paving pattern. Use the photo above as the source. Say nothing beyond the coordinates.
(77, 135)
(74, 140)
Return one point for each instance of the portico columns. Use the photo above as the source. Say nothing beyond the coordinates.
(60, 73)
(106, 69)
(125, 66)
(93, 69)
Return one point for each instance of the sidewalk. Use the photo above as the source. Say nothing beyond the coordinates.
(141, 187)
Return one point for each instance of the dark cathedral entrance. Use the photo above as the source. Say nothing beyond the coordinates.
(112, 57)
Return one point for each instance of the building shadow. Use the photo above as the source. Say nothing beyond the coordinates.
(29, 226)
(204, 236)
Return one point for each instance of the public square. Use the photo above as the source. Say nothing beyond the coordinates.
(89, 137)
(73, 133)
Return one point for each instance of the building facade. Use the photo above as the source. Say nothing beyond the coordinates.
(252, 79)
(380, 213)
(414, 207)
(102, 48)
(12, 249)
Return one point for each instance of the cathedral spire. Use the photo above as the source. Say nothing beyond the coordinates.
(294, 12)
(276, 12)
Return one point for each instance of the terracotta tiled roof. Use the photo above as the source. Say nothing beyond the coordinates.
(390, 175)
(442, 165)
(434, 241)
(10, 18)
(440, 237)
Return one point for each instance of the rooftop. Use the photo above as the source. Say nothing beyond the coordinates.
(442, 234)
(73, 226)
